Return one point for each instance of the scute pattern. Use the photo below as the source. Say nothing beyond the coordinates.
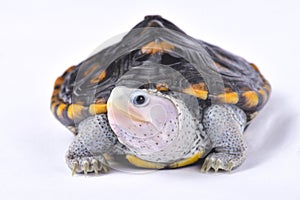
(90, 82)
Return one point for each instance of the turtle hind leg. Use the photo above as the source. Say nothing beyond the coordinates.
(95, 139)
(225, 125)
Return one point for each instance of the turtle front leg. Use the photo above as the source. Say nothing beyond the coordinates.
(95, 138)
(225, 125)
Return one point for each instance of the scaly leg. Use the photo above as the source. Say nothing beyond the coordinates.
(95, 138)
(225, 125)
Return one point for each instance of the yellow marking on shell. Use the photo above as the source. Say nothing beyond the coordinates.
(251, 99)
(264, 95)
(95, 109)
(143, 163)
(187, 161)
(198, 90)
(60, 109)
(53, 106)
(230, 97)
(75, 111)
(155, 47)
(99, 78)
(162, 87)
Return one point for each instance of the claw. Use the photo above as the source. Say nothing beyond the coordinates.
(217, 166)
(206, 165)
(85, 165)
(230, 166)
(75, 166)
(209, 165)
(95, 164)
(104, 166)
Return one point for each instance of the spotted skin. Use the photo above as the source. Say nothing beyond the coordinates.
(245, 93)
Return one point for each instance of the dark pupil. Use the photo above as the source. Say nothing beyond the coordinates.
(140, 99)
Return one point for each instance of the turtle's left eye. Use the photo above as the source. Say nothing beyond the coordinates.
(139, 99)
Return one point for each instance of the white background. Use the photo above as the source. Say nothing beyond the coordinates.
(40, 39)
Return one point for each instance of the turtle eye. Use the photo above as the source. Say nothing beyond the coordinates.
(139, 99)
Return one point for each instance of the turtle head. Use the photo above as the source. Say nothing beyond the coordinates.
(145, 121)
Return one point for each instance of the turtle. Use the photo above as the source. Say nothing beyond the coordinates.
(160, 99)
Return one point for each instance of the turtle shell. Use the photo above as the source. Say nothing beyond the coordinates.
(156, 54)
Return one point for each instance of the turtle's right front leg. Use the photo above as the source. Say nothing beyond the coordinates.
(95, 138)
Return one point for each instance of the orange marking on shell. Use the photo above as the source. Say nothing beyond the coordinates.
(91, 69)
(75, 111)
(198, 90)
(60, 109)
(162, 87)
(155, 47)
(55, 92)
(254, 67)
(264, 95)
(251, 99)
(70, 69)
(99, 78)
(59, 81)
(230, 98)
(95, 109)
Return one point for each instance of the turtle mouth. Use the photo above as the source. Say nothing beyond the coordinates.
(130, 114)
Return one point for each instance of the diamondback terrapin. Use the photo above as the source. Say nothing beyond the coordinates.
(160, 98)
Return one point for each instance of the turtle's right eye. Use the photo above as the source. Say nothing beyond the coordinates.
(139, 98)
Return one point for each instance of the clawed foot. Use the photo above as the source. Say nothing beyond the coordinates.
(87, 165)
(220, 161)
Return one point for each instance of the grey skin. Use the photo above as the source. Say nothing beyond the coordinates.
(223, 124)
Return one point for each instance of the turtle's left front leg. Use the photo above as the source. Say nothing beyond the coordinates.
(225, 125)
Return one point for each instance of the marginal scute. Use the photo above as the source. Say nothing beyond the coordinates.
(95, 109)
(59, 81)
(251, 99)
(53, 106)
(75, 111)
(264, 95)
(254, 67)
(229, 98)
(60, 110)
(267, 87)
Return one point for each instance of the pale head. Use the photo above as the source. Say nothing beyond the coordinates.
(145, 121)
